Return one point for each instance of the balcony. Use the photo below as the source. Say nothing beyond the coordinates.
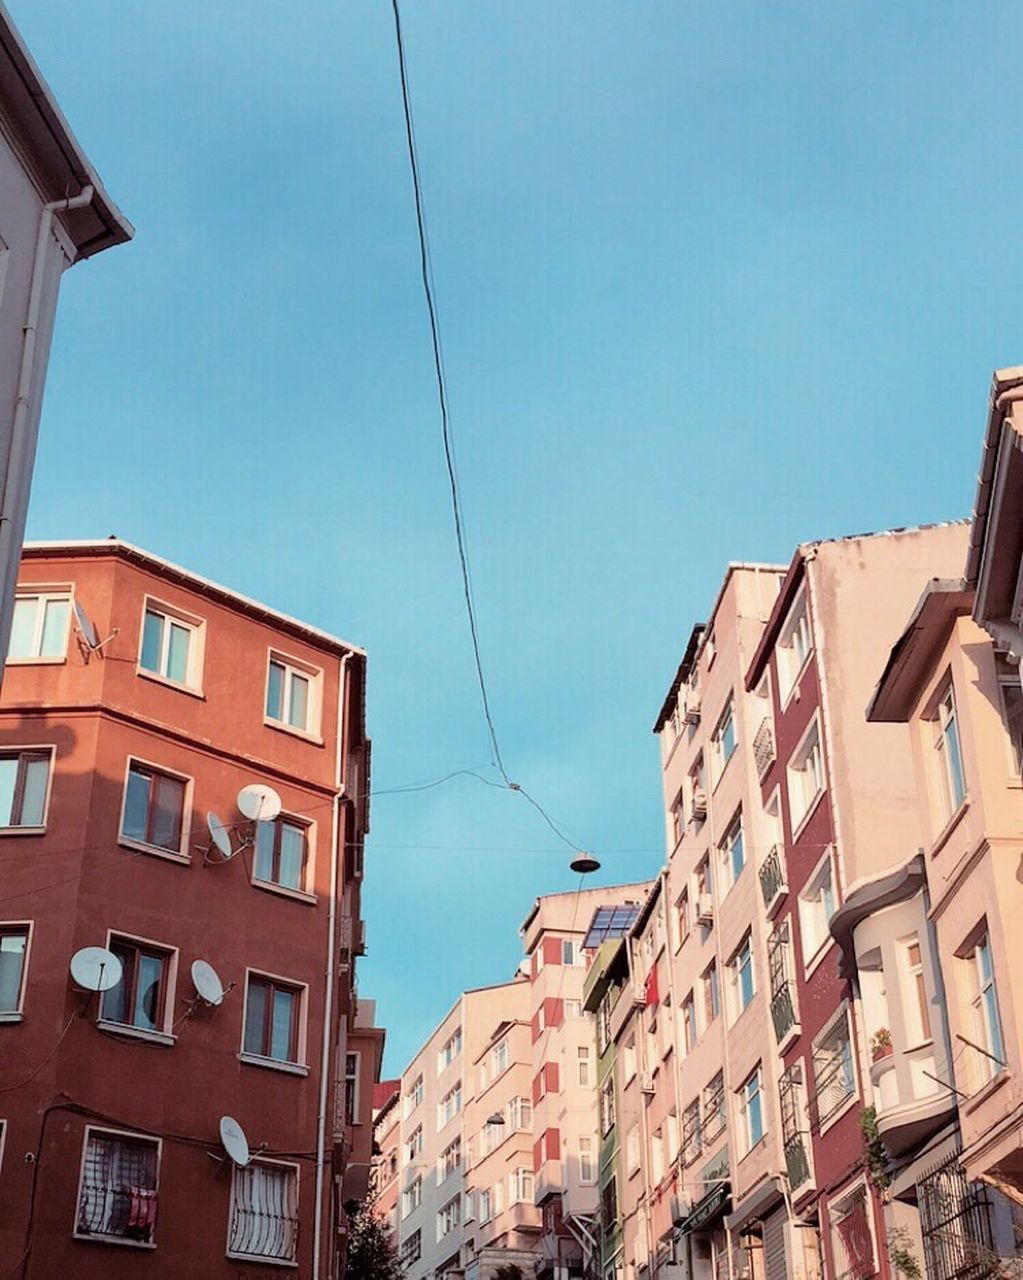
(797, 1162)
(772, 880)
(549, 1181)
(784, 1017)
(764, 753)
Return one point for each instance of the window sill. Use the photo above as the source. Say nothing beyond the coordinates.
(257, 1259)
(794, 692)
(37, 661)
(982, 1095)
(303, 734)
(11, 1016)
(837, 1115)
(168, 683)
(282, 891)
(274, 1064)
(945, 833)
(164, 1038)
(811, 809)
(752, 1150)
(139, 846)
(118, 1240)
(22, 831)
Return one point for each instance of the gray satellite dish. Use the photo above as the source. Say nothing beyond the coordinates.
(95, 969)
(219, 835)
(85, 626)
(207, 982)
(259, 803)
(232, 1135)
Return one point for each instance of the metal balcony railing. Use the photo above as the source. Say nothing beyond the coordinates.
(764, 753)
(772, 877)
(783, 1011)
(797, 1162)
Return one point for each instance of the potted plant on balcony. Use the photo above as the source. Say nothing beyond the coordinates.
(881, 1044)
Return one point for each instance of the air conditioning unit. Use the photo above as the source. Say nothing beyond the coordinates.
(692, 715)
(699, 803)
(704, 909)
(646, 1083)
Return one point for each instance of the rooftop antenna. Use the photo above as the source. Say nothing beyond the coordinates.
(88, 641)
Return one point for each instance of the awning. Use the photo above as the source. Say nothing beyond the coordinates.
(708, 1210)
(758, 1204)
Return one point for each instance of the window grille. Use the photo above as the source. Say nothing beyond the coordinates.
(692, 1137)
(412, 1249)
(955, 1222)
(772, 876)
(713, 1109)
(264, 1212)
(795, 1138)
(118, 1192)
(834, 1076)
(783, 1003)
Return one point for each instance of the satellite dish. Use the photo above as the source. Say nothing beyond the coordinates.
(207, 982)
(259, 803)
(95, 969)
(219, 835)
(232, 1135)
(85, 626)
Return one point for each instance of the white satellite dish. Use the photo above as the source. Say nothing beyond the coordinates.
(207, 982)
(85, 626)
(95, 969)
(232, 1135)
(219, 835)
(259, 803)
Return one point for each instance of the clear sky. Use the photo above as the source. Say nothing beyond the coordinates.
(714, 278)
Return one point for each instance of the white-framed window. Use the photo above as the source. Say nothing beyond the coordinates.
(171, 645)
(983, 997)
(414, 1144)
(711, 993)
(293, 693)
(450, 1159)
(817, 903)
(914, 985)
(155, 809)
(629, 1059)
(732, 854)
(520, 1186)
(723, 740)
(793, 647)
(40, 625)
(587, 1163)
(571, 952)
(834, 1068)
(486, 1207)
(948, 752)
(805, 771)
(449, 1050)
(144, 998)
(690, 1032)
(741, 977)
(583, 1070)
(264, 1211)
(274, 1020)
(573, 1009)
(714, 1118)
(520, 1114)
(657, 1157)
(412, 1248)
(14, 950)
(449, 1216)
(25, 788)
(117, 1187)
(607, 1106)
(751, 1110)
(412, 1196)
(492, 1136)
(500, 1058)
(852, 1233)
(1012, 710)
(632, 1149)
(449, 1106)
(282, 853)
(413, 1096)
(352, 1061)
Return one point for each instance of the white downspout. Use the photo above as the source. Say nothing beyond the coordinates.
(328, 997)
(20, 443)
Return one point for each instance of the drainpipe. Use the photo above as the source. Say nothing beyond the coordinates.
(328, 997)
(21, 450)
(641, 1069)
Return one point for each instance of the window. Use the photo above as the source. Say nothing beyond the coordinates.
(918, 1014)
(698, 790)
(450, 1050)
(704, 883)
(573, 1009)
(500, 1058)
(412, 1196)
(492, 1136)
(678, 819)
(711, 994)
(723, 741)
(414, 1144)
(264, 1211)
(272, 1010)
(629, 1059)
(352, 1088)
(292, 695)
(714, 1108)
(413, 1096)
(945, 739)
(13, 951)
(632, 1149)
(154, 808)
(689, 1022)
(751, 1116)
(117, 1190)
(607, 1107)
(987, 1022)
(520, 1114)
(412, 1248)
(816, 907)
(450, 1159)
(486, 1209)
(170, 647)
(584, 1066)
(684, 923)
(281, 853)
(571, 952)
(520, 1186)
(793, 648)
(692, 1132)
(805, 775)
(24, 783)
(449, 1106)
(852, 1237)
(741, 976)
(1012, 709)
(449, 1216)
(834, 1073)
(733, 857)
(587, 1167)
(609, 1206)
(140, 999)
(39, 626)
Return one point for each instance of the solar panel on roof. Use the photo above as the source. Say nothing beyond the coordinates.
(610, 922)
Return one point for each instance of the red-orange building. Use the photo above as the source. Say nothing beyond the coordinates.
(121, 727)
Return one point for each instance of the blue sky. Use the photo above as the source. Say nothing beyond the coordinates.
(713, 278)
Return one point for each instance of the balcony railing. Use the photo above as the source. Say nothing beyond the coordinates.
(763, 747)
(783, 1012)
(772, 878)
(797, 1162)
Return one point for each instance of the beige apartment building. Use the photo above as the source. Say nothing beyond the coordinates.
(384, 1181)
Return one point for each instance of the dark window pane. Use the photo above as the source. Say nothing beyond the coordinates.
(147, 996)
(280, 1044)
(152, 637)
(298, 710)
(177, 653)
(136, 804)
(12, 958)
(265, 832)
(115, 1001)
(275, 692)
(170, 799)
(33, 800)
(255, 1017)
